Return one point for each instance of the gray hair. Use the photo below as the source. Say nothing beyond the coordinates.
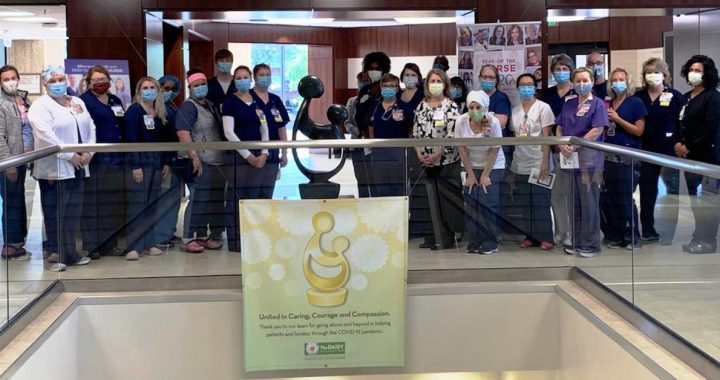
(564, 60)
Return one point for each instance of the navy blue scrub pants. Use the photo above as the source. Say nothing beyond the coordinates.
(617, 202)
(244, 182)
(482, 212)
(649, 175)
(103, 206)
(389, 172)
(14, 214)
(142, 209)
(62, 203)
(207, 204)
(533, 203)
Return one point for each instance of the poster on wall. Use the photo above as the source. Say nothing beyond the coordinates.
(513, 48)
(324, 283)
(119, 70)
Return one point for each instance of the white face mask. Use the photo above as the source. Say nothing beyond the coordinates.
(654, 79)
(695, 78)
(375, 75)
(10, 86)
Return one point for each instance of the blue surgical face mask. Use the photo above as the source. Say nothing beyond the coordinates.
(57, 89)
(583, 89)
(200, 92)
(487, 85)
(149, 94)
(438, 66)
(388, 92)
(225, 67)
(526, 92)
(169, 96)
(619, 87)
(455, 92)
(243, 84)
(561, 77)
(263, 81)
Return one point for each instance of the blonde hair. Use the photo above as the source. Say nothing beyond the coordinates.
(158, 104)
(445, 79)
(581, 70)
(660, 66)
(628, 80)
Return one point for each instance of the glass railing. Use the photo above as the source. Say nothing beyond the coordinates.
(142, 212)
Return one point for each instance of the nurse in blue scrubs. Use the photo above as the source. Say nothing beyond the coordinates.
(277, 118)
(388, 122)
(243, 120)
(105, 184)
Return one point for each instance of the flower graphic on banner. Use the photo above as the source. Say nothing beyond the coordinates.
(368, 253)
(295, 218)
(359, 282)
(286, 247)
(277, 272)
(256, 247)
(376, 218)
(311, 348)
(260, 212)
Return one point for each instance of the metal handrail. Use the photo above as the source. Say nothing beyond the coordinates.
(635, 154)
(24, 158)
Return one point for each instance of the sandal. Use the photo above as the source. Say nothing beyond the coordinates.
(210, 243)
(193, 246)
(527, 243)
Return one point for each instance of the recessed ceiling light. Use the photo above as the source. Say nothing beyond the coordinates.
(566, 18)
(425, 20)
(300, 21)
(30, 19)
(15, 14)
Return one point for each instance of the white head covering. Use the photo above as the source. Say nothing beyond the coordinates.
(479, 97)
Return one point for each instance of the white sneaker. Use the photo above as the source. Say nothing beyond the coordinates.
(132, 256)
(59, 267)
(83, 261)
(53, 258)
(154, 251)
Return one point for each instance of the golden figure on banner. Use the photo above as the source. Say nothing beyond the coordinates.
(326, 291)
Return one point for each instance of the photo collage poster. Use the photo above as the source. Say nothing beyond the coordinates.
(120, 86)
(514, 48)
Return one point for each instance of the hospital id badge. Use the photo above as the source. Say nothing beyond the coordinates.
(438, 118)
(583, 110)
(611, 129)
(276, 115)
(118, 111)
(261, 116)
(149, 122)
(398, 115)
(524, 129)
(682, 112)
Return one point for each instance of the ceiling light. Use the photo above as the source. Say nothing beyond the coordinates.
(300, 21)
(566, 18)
(31, 19)
(425, 20)
(15, 14)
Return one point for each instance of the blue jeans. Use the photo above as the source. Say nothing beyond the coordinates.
(482, 212)
(14, 214)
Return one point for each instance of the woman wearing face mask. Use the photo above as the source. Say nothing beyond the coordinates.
(484, 166)
(532, 118)
(57, 119)
(145, 122)
(498, 37)
(561, 66)
(277, 118)
(435, 118)
(663, 104)
(350, 125)
(16, 138)
(459, 92)
(441, 63)
(389, 123)
(696, 138)
(375, 64)
(104, 203)
(243, 120)
(627, 123)
(198, 121)
(584, 116)
(499, 102)
(222, 85)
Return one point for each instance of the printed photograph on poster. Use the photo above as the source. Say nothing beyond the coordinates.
(498, 36)
(119, 70)
(546, 182)
(481, 37)
(515, 36)
(466, 60)
(510, 63)
(532, 34)
(533, 56)
(536, 71)
(464, 36)
(467, 77)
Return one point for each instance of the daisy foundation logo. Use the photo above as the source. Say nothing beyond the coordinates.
(330, 348)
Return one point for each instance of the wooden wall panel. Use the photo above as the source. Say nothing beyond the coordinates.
(217, 32)
(577, 32)
(517, 10)
(321, 66)
(393, 40)
(425, 39)
(361, 41)
(628, 33)
(104, 19)
(449, 39)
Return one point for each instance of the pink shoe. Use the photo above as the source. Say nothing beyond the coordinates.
(210, 243)
(193, 246)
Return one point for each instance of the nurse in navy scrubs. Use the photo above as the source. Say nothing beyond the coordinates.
(243, 120)
(105, 183)
(277, 118)
(388, 122)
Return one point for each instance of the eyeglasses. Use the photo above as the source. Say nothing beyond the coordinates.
(99, 80)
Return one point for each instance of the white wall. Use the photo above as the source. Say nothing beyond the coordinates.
(503, 335)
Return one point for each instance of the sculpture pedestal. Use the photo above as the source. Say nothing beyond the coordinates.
(327, 190)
